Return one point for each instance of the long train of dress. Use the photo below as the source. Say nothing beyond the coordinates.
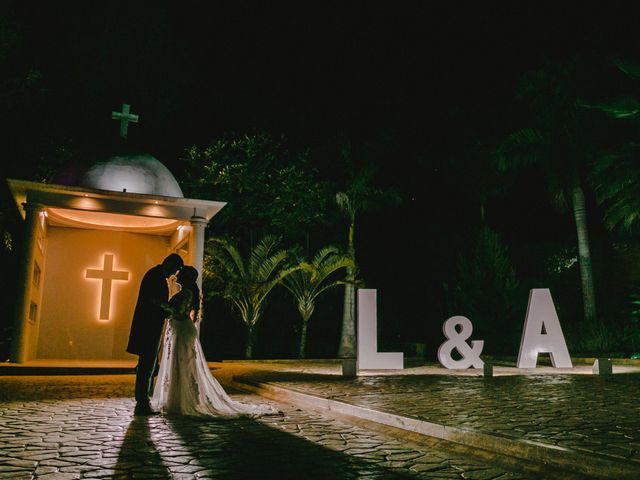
(185, 385)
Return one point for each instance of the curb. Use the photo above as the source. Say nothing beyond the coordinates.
(594, 465)
(44, 371)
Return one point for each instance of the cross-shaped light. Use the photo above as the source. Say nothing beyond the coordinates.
(107, 275)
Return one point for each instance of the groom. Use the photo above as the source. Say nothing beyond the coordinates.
(146, 329)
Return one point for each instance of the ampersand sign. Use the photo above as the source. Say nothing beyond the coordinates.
(457, 340)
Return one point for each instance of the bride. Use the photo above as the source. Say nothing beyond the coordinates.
(184, 385)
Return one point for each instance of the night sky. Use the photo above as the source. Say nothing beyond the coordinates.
(430, 76)
(426, 71)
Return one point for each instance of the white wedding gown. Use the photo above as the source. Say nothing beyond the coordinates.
(185, 385)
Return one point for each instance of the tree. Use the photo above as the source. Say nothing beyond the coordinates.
(246, 284)
(615, 177)
(487, 287)
(478, 175)
(615, 174)
(268, 189)
(359, 195)
(311, 280)
(559, 143)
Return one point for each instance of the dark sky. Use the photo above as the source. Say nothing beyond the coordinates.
(430, 75)
(193, 70)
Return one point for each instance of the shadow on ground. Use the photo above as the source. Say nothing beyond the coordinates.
(239, 448)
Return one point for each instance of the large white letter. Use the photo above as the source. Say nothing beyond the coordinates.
(541, 314)
(456, 339)
(368, 356)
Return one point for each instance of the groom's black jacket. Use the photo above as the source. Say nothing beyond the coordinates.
(148, 317)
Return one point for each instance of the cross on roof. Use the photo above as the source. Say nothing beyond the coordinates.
(125, 117)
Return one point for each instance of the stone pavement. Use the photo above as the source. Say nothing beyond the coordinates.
(586, 423)
(74, 427)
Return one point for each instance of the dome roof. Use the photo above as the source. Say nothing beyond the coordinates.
(132, 173)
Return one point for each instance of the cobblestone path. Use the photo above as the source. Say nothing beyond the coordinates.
(589, 413)
(60, 428)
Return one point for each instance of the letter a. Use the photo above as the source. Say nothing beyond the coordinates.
(541, 313)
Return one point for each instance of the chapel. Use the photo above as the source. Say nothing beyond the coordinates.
(87, 246)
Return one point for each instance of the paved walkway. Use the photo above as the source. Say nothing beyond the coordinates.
(588, 423)
(73, 427)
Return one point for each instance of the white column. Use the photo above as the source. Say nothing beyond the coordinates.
(197, 248)
(20, 338)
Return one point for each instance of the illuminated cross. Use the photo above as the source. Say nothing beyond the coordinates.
(107, 275)
(125, 117)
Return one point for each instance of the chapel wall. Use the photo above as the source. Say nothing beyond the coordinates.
(35, 288)
(70, 327)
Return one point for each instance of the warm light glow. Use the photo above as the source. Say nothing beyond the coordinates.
(107, 275)
(86, 203)
(81, 218)
(155, 211)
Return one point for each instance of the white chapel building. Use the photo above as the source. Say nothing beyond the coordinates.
(86, 250)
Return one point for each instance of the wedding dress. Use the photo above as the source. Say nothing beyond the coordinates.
(185, 385)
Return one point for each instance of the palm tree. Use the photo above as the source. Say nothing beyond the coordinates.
(347, 348)
(559, 144)
(615, 175)
(359, 195)
(246, 285)
(312, 279)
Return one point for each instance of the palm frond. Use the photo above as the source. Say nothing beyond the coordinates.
(311, 279)
(298, 282)
(628, 67)
(623, 107)
(323, 253)
(615, 178)
(269, 266)
(557, 192)
(261, 253)
(227, 254)
(344, 203)
(523, 147)
(335, 283)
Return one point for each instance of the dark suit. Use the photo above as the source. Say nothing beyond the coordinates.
(146, 328)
